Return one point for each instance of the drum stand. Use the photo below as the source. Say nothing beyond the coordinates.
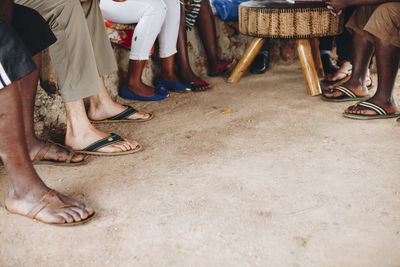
(310, 60)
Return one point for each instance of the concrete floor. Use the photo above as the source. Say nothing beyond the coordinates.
(281, 180)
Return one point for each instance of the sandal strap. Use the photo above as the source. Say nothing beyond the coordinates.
(112, 139)
(43, 151)
(379, 110)
(46, 201)
(346, 91)
(124, 114)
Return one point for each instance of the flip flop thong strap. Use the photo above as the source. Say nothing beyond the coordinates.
(112, 139)
(379, 110)
(40, 205)
(124, 114)
(346, 91)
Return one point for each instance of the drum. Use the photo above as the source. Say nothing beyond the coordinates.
(281, 20)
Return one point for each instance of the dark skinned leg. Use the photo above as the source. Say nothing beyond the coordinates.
(134, 79)
(208, 35)
(26, 188)
(362, 53)
(28, 94)
(167, 69)
(387, 59)
(185, 71)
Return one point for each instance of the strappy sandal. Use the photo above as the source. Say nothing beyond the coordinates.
(51, 200)
(381, 112)
(225, 69)
(199, 86)
(112, 139)
(123, 117)
(40, 159)
(348, 95)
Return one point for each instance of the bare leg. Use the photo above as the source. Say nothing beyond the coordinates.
(102, 106)
(80, 133)
(185, 71)
(387, 59)
(362, 53)
(167, 69)
(28, 94)
(134, 80)
(208, 35)
(26, 188)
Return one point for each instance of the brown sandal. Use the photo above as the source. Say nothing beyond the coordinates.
(40, 159)
(52, 200)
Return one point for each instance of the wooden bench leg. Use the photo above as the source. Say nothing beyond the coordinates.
(317, 57)
(308, 66)
(248, 57)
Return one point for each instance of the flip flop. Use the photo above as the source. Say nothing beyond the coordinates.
(348, 95)
(123, 117)
(381, 112)
(51, 200)
(112, 139)
(197, 86)
(225, 69)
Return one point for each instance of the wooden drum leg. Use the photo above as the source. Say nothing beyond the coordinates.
(317, 57)
(248, 57)
(307, 64)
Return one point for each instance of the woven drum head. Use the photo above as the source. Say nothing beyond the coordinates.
(266, 19)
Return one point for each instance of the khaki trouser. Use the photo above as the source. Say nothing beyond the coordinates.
(83, 51)
(381, 21)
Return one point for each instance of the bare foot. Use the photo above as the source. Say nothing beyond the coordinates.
(47, 206)
(93, 135)
(190, 77)
(343, 72)
(111, 109)
(51, 151)
(357, 89)
(221, 67)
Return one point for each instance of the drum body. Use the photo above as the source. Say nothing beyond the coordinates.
(266, 19)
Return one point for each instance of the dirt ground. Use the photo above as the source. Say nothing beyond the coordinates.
(280, 180)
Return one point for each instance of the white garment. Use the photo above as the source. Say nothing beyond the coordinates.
(153, 17)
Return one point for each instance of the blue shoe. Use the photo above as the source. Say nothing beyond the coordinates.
(172, 86)
(126, 94)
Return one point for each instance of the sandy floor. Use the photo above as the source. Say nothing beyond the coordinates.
(281, 180)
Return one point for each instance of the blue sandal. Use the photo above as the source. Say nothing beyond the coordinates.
(126, 94)
(171, 86)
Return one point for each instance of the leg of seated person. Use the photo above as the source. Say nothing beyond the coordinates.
(150, 17)
(186, 73)
(29, 87)
(362, 51)
(168, 40)
(208, 35)
(26, 188)
(384, 26)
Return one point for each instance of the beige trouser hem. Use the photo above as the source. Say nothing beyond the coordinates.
(380, 21)
(83, 51)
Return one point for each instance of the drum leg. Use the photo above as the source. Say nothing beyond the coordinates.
(248, 57)
(317, 57)
(308, 66)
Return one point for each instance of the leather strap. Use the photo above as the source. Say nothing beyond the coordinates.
(42, 152)
(112, 139)
(124, 114)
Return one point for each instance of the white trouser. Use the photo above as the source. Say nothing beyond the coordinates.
(153, 17)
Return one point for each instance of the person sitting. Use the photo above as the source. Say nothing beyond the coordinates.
(154, 18)
(82, 56)
(200, 14)
(374, 27)
(28, 195)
